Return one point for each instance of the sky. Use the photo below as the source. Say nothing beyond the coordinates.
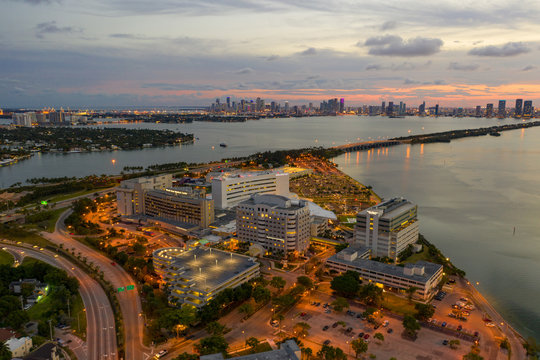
(115, 53)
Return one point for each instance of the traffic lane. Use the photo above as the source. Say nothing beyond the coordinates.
(90, 292)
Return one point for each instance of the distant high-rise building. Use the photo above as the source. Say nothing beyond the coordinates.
(489, 110)
(422, 108)
(390, 108)
(437, 110)
(501, 111)
(286, 106)
(478, 111)
(341, 105)
(518, 111)
(527, 109)
(56, 117)
(228, 102)
(383, 107)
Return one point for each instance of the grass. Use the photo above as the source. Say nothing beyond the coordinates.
(50, 223)
(6, 258)
(77, 308)
(23, 235)
(262, 347)
(63, 197)
(398, 304)
(423, 255)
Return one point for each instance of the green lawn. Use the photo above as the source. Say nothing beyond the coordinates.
(77, 311)
(6, 258)
(23, 235)
(423, 255)
(72, 195)
(398, 304)
(50, 222)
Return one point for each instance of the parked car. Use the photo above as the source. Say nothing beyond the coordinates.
(334, 325)
(161, 354)
(385, 323)
(325, 327)
(389, 331)
(443, 324)
(445, 342)
(459, 328)
(366, 336)
(349, 329)
(361, 335)
(326, 342)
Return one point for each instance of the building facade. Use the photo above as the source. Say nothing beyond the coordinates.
(423, 275)
(195, 276)
(229, 189)
(130, 193)
(185, 206)
(387, 228)
(275, 222)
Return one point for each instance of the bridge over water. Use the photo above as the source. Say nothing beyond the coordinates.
(366, 145)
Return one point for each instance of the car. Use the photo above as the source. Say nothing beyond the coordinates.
(326, 342)
(113, 264)
(476, 333)
(464, 299)
(325, 305)
(274, 323)
(490, 324)
(390, 331)
(328, 311)
(366, 336)
(358, 316)
(443, 324)
(162, 353)
(303, 314)
(325, 327)
(465, 313)
(361, 335)
(385, 323)
(349, 329)
(334, 325)
(318, 304)
(376, 326)
(459, 328)
(456, 306)
(445, 342)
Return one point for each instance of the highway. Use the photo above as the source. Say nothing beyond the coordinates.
(130, 302)
(101, 330)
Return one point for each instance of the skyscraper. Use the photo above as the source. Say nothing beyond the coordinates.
(341, 105)
(437, 110)
(390, 108)
(422, 108)
(478, 111)
(383, 107)
(489, 110)
(527, 109)
(501, 112)
(518, 111)
(228, 102)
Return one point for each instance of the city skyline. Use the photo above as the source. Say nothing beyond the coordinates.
(177, 53)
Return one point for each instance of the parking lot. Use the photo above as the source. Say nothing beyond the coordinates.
(429, 344)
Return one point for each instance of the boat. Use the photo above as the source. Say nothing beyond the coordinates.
(495, 133)
(223, 145)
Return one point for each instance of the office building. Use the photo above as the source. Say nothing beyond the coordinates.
(422, 108)
(489, 110)
(24, 119)
(478, 112)
(56, 117)
(528, 109)
(423, 275)
(183, 205)
(288, 350)
(518, 111)
(437, 110)
(195, 276)
(341, 105)
(390, 108)
(231, 188)
(501, 111)
(130, 193)
(280, 225)
(387, 228)
(383, 107)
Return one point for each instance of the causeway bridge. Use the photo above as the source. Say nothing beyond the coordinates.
(366, 145)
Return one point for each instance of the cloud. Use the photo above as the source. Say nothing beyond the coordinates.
(375, 67)
(508, 49)
(272, 57)
(178, 87)
(388, 25)
(462, 67)
(128, 36)
(528, 68)
(393, 45)
(51, 28)
(310, 51)
(244, 71)
(39, 2)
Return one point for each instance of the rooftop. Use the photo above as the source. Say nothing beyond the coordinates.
(209, 268)
(275, 201)
(429, 268)
(288, 351)
(391, 208)
(245, 174)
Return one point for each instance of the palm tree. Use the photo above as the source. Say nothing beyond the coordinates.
(252, 342)
(5, 353)
(307, 352)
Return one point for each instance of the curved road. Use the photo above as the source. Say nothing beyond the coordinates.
(101, 331)
(130, 302)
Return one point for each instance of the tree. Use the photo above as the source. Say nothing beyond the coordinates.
(261, 294)
(410, 292)
(186, 356)
(245, 308)
(531, 347)
(215, 328)
(301, 329)
(340, 304)
(328, 352)
(5, 353)
(379, 336)
(454, 344)
(345, 285)
(278, 282)
(424, 311)
(472, 356)
(212, 345)
(359, 346)
(307, 352)
(371, 294)
(411, 325)
(305, 282)
(252, 342)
